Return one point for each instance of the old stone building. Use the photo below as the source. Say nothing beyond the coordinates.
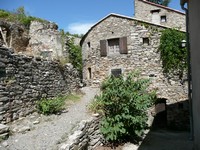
(119, 44)
(159, 14)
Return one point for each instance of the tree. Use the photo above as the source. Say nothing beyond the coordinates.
(161, 2)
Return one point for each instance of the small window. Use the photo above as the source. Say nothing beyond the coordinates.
(163, 19)
(116, 72)
(155, 11)
(113, 46)
(88, 44)
(89, 73)
(2, 72)
(146, 41)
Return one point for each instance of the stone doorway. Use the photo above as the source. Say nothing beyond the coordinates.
(160, 120)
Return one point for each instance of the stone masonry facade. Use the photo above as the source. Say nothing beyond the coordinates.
(139, 41)
(25, 80)
(159, 14)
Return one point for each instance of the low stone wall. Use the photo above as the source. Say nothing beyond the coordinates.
(24, 80)
(86, 136)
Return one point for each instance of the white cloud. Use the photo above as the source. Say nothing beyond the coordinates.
(79, 28)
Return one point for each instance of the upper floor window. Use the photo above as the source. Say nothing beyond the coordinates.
(113, 46)
(163, 19)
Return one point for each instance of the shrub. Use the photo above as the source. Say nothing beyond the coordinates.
(50, 106)
(124, 103)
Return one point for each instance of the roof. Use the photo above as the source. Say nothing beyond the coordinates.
(119, 16)
(164, 7)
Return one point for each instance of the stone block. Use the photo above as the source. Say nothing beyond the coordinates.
(4, 128)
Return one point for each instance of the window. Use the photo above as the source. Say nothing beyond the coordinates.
(163, 19)
(116, 72)
(88, 44)
(2, 72)
(89, 73)
(146, 41)
(113, 46)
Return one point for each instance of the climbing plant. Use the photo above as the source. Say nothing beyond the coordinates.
(173, 56)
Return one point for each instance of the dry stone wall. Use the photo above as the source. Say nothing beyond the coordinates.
(24, 80)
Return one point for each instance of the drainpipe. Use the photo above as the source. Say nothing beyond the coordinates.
(189, 69)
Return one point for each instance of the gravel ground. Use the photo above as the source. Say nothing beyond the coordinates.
(46, 135)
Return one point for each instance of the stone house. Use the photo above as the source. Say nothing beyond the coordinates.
(119, 44)
(159, 14)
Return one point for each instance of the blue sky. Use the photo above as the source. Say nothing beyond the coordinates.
(75, 16)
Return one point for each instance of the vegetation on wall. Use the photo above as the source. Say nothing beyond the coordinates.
(75, 55)
(74, 51)
(124, 104)
(161, 2)
(20, 16)
(173, 56)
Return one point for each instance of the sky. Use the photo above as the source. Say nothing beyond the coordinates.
(75, 16)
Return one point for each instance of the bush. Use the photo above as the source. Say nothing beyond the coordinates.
(124, 103)
(50, 106)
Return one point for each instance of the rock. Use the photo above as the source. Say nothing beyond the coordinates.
(4, 128)
(24, 129)
(130, 146)
(96, 115)
(5, 143)
(36, 122)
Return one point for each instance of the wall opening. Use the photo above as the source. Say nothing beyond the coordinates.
(116, 72)
(88, 44)
(145, 41)
(160, 120)
(2, 72)
(89, 73)
(163, 19)
(113, 46)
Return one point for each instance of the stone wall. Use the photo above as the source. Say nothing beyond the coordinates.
(45, 40)
(144, 11)
(24, 80)
(14, 35)
(140, 56)
(86, 136)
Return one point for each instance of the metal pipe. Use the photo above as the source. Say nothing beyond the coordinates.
(189, 71)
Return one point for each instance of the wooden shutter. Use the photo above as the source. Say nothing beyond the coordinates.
(123, 45)
(103, 48)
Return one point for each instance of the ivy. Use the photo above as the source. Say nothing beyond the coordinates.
(173, 56)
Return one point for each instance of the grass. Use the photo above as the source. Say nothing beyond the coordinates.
(56, 104)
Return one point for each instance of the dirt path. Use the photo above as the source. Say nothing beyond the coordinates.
(46, 135)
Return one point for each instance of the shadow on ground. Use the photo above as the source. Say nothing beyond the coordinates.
(161, 136)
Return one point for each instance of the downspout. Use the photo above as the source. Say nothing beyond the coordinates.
(189, 69)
